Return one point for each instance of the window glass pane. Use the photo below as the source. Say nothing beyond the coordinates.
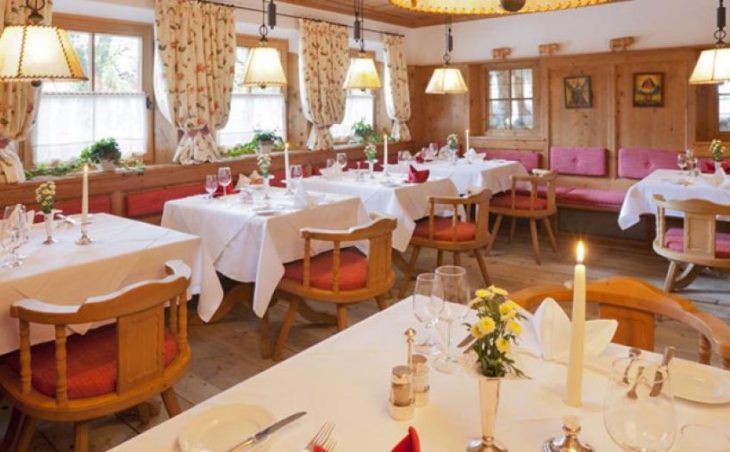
(82, 43)
(117, 63)
(122, 116)
(522, 114)
(724, 88)
(522, 83)
(64, 126)
(251, 112)
(358, 107)
(724, 110)
(499, 84)
(499, 114)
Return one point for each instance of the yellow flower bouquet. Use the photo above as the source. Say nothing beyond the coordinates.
(497, 327)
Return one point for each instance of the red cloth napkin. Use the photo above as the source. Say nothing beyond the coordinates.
(708, 166)
(416, 176)
(410, 443)
(319, 449)
(219, 192)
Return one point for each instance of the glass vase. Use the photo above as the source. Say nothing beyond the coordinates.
(267, 186)
(49, 224)
(371, 169)
(488, 404)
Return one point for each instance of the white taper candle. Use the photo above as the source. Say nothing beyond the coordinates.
(574, 383)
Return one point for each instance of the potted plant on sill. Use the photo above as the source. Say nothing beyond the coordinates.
(105, 153)
(265, 141)
(362, 132)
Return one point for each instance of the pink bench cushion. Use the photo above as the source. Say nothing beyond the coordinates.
(639, 163)
(674, 240)
(529, 159)
(151, 202)
(592, 197)
(579, 161)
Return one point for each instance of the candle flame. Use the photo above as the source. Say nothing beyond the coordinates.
(580, 252)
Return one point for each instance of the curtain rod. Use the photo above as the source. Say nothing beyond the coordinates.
(292, 16)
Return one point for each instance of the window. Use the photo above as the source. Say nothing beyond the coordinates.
(112, 103)
(510, 103)
(723, 92)
(252, 109)
(359, 106)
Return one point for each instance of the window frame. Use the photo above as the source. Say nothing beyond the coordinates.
(536, 129)
(87, 24)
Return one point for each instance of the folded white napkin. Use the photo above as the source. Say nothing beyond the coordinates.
(331, 172)
(302, 198)
(444, 153)
(547, 333)
(243, 181)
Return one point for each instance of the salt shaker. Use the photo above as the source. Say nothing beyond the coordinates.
(421, 387)
(401, 393)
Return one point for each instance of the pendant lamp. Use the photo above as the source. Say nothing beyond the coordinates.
(362, 73)
(447, 79)
(263, 66)
(713, 65)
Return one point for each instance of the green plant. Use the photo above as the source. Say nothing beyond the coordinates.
(370, 153)
(363, 132)
(252, 146)
(104, 149)
(264, 161)
(453, 141)
(717, 149)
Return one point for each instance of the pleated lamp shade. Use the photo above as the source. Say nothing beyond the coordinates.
(491, 7)
(362, 74)
(446, 80)
(263, 68)
(32, 53)
(712, 67)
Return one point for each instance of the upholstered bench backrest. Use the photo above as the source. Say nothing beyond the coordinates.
(529, 159)
(639, 163)
(579, 161)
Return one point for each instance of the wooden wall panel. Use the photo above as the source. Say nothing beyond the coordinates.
(296, 124)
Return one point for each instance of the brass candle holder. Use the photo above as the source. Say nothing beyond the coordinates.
(84, 239)
(569, 442)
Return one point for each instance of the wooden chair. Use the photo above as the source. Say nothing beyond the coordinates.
(109, 369)
(457, 234)
(530, 206)
(342, 276)
(635, 304)
(694, 246)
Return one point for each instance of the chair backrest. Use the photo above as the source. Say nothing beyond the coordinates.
(462, 208)
(378, 233)
(634, 304)
(139, 312)
(699, 233)
(536, 180)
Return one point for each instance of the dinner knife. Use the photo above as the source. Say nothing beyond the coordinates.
(263, 434)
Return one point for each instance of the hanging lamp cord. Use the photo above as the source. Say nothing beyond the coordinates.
(263, 29)
(449, 43)
(35, 7)
(721, 34)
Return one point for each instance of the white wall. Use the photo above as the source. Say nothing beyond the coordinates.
(655, 23)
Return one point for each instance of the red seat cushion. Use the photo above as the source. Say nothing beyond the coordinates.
(593, 197)
(674, 240)
(522, 202)
(353, 270)
(91, 359)
(442, 230)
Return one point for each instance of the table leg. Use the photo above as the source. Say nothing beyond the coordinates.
(240, 293)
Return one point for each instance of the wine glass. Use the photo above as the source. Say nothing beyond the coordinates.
(224, 178)
(330, 163)
(695, 165)
(342, 160)
(426, 309)
(211, 184)
(297, 173)
(13, 233)
(682, 161)
(638, 409)
(450, 288)
(701, 437)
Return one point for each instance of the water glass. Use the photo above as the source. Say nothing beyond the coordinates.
(426, 309)
(450, 288)
(224, 178)
(342, 160)
(330, 163)
(211, 184)
(14, 233)
(696, 437)
(638, 409)
(297, 173)
(404, 157)
(682, 161)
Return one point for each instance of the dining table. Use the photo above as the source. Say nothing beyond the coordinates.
(122, 252)
(390, 194)
(345, 379)
(468, 174)
(251, 241)
(673, 185)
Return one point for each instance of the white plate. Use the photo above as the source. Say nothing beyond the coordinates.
(699, 383)
(221, 428)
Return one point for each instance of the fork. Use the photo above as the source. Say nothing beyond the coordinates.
(322, 438)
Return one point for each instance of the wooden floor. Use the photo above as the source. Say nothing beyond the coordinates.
(227, 353)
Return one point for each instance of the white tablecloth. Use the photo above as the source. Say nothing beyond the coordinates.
(346, 379)
(673, 185)
(492, 174)
(403, 201)
(123, 252)
(248, 247)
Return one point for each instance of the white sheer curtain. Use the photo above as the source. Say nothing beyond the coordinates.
(251, 112)
(359, 106)
(68, 123)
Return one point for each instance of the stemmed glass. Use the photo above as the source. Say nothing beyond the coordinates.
(342, 160)
(450, 288)
(14, 233)
(682, 161)
(224, 178)
(638, 409)
(297, 173)
(211, 184)
(426, 309)
(403, 158)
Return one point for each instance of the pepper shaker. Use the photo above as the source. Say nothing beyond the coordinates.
(401, 393)
(421, 388)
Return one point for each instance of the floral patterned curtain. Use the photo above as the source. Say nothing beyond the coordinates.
(196, 45)
(18, 101)
(397, 96)
(324, 56)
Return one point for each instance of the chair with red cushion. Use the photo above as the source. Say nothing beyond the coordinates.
(517, 204)
(459, 233)
(118, 366)
(342, 276)
(696, 245)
